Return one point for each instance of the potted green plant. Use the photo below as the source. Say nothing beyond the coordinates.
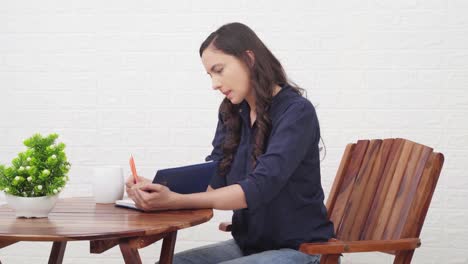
(36, 176)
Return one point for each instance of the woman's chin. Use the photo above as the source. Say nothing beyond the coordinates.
(234, 101)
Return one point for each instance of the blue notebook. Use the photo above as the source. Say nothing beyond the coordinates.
(187, 179)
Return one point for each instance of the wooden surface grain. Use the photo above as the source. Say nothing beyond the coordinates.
(83, 219)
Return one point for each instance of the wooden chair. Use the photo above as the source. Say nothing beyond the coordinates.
(379, 199)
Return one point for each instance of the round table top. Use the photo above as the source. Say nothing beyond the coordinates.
(83, 219)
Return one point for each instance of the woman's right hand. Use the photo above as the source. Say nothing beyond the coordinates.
(130, 184)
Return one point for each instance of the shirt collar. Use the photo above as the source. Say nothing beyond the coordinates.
(244, 108)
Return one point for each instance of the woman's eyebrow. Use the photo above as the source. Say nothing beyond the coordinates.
(212, 67)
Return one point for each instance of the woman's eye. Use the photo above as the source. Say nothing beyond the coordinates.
(219, 70)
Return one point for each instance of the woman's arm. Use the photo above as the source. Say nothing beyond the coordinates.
(226, 198)
(158, 197)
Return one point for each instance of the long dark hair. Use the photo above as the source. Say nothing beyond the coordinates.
(265, 73)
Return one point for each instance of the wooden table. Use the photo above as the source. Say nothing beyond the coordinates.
(104, 225)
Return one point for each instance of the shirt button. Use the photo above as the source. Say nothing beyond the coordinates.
(240, 110)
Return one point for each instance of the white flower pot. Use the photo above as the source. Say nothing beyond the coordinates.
(31, 206)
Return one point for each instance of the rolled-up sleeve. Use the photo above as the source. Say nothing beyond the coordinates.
(289, 141)
(217, 153)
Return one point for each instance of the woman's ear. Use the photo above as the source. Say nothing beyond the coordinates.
(251, 57)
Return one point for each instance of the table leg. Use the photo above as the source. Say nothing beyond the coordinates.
(130, 255)
(57, 252)
(167, 251)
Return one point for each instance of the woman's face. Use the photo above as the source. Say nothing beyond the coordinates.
(228, 74)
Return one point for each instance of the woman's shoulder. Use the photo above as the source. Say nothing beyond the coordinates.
(293, 103)
(297, 115)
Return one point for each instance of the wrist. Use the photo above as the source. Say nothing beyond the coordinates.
(178, 201)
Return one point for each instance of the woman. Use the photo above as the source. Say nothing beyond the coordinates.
(266, 143)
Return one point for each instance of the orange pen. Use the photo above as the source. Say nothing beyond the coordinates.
(133, 168)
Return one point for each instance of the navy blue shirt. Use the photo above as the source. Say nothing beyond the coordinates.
(283, 192)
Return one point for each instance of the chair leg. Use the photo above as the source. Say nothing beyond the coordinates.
(329, 259)
(403, 257)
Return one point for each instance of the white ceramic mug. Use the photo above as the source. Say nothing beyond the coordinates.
(108, 184)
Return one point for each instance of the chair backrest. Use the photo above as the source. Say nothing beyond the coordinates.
(383, 189)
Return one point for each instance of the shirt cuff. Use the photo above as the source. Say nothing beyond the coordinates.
(252, 194)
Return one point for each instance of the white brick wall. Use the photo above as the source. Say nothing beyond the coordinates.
(121, 77)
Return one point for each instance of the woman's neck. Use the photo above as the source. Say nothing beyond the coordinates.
(251, 101)
(251, 98)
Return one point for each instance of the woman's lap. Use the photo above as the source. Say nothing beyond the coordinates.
(227, 252)
(214, 253)
(280, 256)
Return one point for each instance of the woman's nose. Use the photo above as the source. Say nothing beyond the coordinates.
(215, 84)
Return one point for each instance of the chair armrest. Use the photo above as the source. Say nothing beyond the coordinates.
(225, 226)
(338, 247)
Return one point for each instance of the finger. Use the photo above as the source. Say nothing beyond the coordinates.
(138, 185)
(144, 199)
(129, 181)
(143, 195)
(143, 179)
(139, 202)
(129, 192)
(152, 187)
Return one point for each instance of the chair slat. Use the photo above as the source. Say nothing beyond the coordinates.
(407, 193)
(392, 192)
(398, 190)
(354, 201)
(423, 196)
(339, 178)
(347, 182)
(383, 185)
(370, 189)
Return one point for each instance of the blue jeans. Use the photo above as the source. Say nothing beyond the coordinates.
(227, 252)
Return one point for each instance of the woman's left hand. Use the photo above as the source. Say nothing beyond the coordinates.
(153, 197)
